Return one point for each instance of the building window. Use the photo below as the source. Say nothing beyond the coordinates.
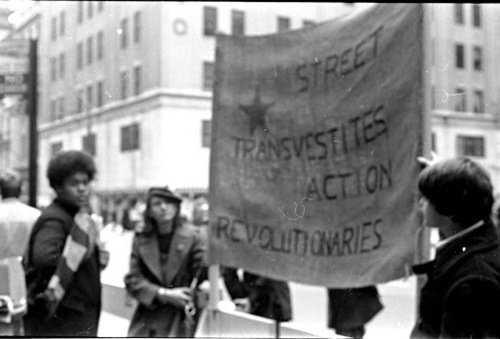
(79, 55)
(90, 51)
(206, 133)
(478, 101)
(238, 22)
(100, 6)
(62, 64)
(459, 56)
(99, 94)
(53, 69)
(53, 110)
(80, 12)
(130, 137)
(137, 80)
(209, 20)
(53, 29)
(470, 146)
(433, 142)
(137, 26)
(61, 108)
(90, 9)
(283, 24)
(460, 100)
(124, 28)
(62, 23)
(124, 84)
(208, 75)
(308, 23)
(56, 147)
(478, 58)
(88, 143)
(90, 99)
(79, 100)
(459, 14)
(100, 44)
(476, 15)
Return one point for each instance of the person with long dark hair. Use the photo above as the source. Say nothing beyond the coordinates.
(168, 259)
(461, 296)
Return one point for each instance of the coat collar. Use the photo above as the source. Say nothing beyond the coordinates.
(179, 250)
(478, 240)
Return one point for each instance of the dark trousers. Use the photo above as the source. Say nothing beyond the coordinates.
(66, 322)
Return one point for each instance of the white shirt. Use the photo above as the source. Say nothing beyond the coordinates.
(16, 221)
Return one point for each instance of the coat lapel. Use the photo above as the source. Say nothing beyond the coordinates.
(179, 249)
(151, 256)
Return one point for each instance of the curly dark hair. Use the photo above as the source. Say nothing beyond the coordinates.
(66, 163)
(458, 188)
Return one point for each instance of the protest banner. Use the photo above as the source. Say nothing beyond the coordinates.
(315, 136)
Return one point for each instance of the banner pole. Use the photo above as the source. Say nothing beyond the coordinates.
(424, 241)
(213, 278)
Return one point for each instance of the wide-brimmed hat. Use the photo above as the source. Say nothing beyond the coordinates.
(164, 192)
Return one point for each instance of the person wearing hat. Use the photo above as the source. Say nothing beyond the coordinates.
(168, 257)
(16, 218)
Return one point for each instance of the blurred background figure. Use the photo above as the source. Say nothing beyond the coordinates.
(16, 222)
(16, 218)
(259, 295)
(350, 309)
(168, 261)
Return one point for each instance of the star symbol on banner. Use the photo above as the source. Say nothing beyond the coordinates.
(256, 111)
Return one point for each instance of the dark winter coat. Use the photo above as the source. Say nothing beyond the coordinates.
(78, 313)
(268, 298)
(352, 308)
(186, 257)
(461, 298)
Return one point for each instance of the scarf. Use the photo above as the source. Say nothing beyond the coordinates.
(79, 246)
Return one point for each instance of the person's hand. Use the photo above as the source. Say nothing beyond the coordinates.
(178, 297)
(103, 257)
(242, 304)
(424, 162)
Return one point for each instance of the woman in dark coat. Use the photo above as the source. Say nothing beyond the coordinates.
(166, 257)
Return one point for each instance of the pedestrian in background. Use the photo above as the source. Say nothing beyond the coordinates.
(63, 258)
(461, 298)
(16, 218)
(168, 260)
(16, 222)
(259, 295)
(350, 309)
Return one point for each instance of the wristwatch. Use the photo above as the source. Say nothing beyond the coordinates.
(162, 292)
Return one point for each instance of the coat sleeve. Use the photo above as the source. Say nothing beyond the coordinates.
(199, 255)
(471, 309)
(47, 246)
(233, 284)
(136, 283)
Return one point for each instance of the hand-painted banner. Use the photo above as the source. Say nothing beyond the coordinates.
(315, 138)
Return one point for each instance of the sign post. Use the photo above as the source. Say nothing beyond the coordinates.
(18, 76)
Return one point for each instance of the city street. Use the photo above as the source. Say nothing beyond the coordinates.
(309, 302)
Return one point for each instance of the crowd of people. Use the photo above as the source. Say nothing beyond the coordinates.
(63, 256)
